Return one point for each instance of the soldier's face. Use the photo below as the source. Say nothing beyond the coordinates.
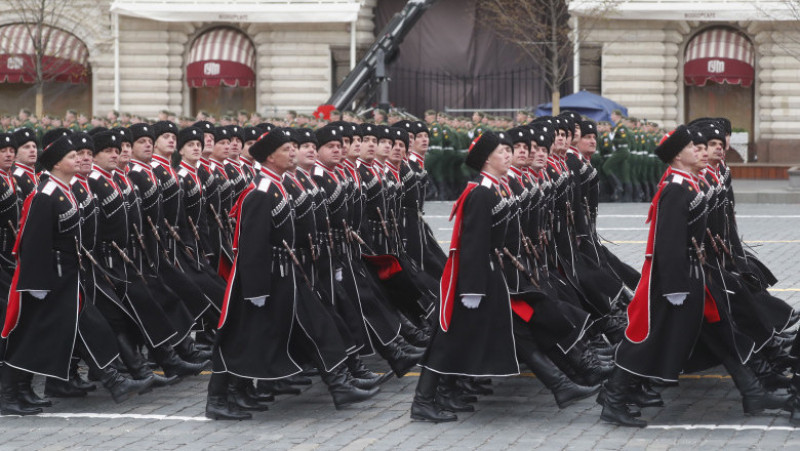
(68, 166)
(368, 145)
(519, 157)
(398, 152)
(165, 144)
(384, 147)
(499, 161)
(283, 159)
(701, 150)
(330, 154)
(346, 145)
(576, 135)
(26, 154)
(208, 141)
(561, 140)
(142, 149)
(411, 139)
(221, 149)
(84, 161)
(107, 158)
(191, 151)
(6, 158)
(539, 157)
(687, 158)
(587, 145)
(355, 148)
(421, 142)
(716, 151)
(236, 149)
(124, 154)
(306, 155)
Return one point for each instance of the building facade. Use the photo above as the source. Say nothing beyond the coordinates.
(188, 55)
(672, 61)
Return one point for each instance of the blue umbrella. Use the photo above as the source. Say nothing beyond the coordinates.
(590, 105)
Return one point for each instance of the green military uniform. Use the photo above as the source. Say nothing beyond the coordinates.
(617, 166)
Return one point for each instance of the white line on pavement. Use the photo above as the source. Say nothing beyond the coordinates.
(113, 416)
(724, 427)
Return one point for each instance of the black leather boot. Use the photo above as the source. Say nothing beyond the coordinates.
(359, 371)
(412, 333)
(794, 404)
(120, 387)
(277, 387)
(137, 367)
(77, 380)
(237, 394)
(298, 379)
(447, 396)
(10, 401)
(615, 409)
(424, 407)
(258, 395)
(217, 405)
(26, 393)
(564, 390)
(755, 399)
(409, 348)
(174, 366)
(56, 388)
(187, 351)
(342, 391)
(400, 361)
(469, 387)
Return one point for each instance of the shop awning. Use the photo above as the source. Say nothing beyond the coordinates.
(721, 55)
(66, 58)
(264, 11)
(222, 56)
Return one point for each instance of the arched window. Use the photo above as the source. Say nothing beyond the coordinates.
(64, 69)
(221, 71)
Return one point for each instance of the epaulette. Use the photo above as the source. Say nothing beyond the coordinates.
(263, 185)
(19, 172)
(487, 183)
(136, 168)
(677, 179)
(154, 164)
(183, 172)
(49, 187)
(95, 175)
(318, 171)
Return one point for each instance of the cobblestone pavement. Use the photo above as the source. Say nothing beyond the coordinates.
(704, 411)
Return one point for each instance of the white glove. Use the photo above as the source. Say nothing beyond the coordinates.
(676, 298)
(471, 301)
(39, 294)
(259, 301)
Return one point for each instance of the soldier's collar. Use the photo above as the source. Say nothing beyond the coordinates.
(271, 174)
(188, 166)
(102, 171)
(161, 160)
(140, 163)
(492, 178)
(25, 168)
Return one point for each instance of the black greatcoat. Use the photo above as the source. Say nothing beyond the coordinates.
(113, 227)
(9, 221)
(660, 336)
(480, 341)
(94, 329)
(41, 332)
(253, 341)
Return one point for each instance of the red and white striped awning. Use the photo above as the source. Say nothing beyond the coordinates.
(66, 58)
(721, 55)
(222, 56)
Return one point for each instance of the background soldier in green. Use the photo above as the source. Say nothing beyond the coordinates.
(617, 167)
(433, 160)
(604, 149)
